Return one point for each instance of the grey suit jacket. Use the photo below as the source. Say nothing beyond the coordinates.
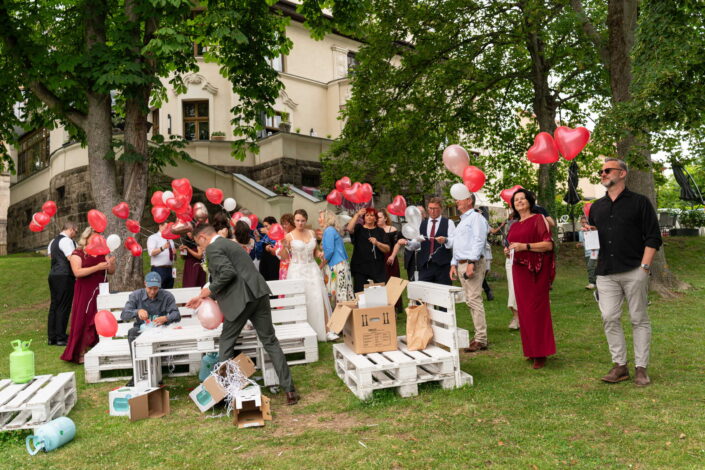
(234, 279)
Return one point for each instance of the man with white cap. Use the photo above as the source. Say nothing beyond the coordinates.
(468, 263)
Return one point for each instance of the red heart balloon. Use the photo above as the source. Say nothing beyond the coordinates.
(136, 249)
(365, 193)
(49, 208)
(351, 193)
(236, 216)
(157, 199)
(214, 195)
(105, 324)
(473, 178)
(586, 209)
(184, 216)
(398, 206)
(507, 194)
(254, 219)
(544, 149)
(335, 197)
(132, 225)
(343, 183)
(35, 227)
(97, 220)
(122, 210)
(182, 186)
(97, 245)
(41, 219)
(276, 232)
(160, 214)
(571, 142)
(167, 233)
(129, 241)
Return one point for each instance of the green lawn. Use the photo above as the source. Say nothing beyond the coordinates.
(514, 417)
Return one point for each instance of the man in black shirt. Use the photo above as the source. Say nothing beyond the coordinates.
(629, 236)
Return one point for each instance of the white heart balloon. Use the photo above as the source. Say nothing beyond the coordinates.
(409, 231)
(229, 204)
(113, 242)
(413, 245)
(413, 216)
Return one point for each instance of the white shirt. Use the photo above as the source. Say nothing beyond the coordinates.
(157, 241)
(214, 239)
(469, 237)
(66, 245)
(451, 229)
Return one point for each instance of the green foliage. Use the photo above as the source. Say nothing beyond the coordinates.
(692, 218)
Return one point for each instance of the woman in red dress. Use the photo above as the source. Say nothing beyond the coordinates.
(89, 271)
(194, 275)
(533, 272)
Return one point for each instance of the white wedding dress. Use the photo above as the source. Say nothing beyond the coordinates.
(303, 266)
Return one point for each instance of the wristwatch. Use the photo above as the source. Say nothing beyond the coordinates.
(646, 267)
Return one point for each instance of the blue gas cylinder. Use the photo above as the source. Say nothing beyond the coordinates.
(51, 435)
(207, 362)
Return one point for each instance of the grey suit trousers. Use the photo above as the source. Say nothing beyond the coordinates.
(259, 313)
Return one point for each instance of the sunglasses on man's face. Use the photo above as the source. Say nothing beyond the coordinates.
(606, 171)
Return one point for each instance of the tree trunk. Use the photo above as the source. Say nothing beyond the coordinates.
(632, 148)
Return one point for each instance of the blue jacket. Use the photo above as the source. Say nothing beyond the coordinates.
(333, 247)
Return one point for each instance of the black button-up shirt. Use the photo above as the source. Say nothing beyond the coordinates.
(625, 227)
(162, 304)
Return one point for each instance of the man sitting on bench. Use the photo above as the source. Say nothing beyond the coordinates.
(149, 307)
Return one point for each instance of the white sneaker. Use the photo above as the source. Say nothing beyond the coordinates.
(590, 286)
(514, 324)
(331, 336)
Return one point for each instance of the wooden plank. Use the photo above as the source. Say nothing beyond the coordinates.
(360, 362)
(9, 392)
(445, 337)
(447, 318)
(4, 383)
(297, 314)
(287, 286)
(293, 300)
(21, 397)
(57, 383)
(377, 358)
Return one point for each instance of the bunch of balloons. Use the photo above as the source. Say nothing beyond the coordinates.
(457, 161)
(42, 219)
(411, 229)
(569, 142)
(359, 194)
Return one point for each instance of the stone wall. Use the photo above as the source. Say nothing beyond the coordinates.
(285, 170)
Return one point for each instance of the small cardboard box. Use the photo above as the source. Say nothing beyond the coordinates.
(252, 415)
(371, 329)
(152, 403)
(210, 393)
(118, 400)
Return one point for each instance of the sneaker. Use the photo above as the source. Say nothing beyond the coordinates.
(590, 286)
(330, 336)
(617, 374)
(514, 324)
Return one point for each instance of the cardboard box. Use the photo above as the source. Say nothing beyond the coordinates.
(118, 400)
(152, 403)
(210, 393)
(370, 329)
(252, 410)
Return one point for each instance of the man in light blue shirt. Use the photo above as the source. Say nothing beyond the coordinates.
(468, 243)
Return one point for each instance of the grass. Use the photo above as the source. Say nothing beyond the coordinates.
(514, 417)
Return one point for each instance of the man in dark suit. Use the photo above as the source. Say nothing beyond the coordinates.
(434, 258)
(242, 294)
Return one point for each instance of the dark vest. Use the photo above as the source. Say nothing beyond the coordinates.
(442, 254)
(60, 265)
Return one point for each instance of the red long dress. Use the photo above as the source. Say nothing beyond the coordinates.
(82, 335)
(533, 274)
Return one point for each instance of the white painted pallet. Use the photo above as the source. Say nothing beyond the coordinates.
(402, 369)
(27, 406)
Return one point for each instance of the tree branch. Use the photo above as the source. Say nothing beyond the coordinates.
(591, 32)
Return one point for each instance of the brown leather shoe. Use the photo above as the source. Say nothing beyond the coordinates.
(617, 374)
(292, 398)
(475, 346)
(641, 377)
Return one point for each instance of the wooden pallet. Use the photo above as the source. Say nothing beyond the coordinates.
(29, 405)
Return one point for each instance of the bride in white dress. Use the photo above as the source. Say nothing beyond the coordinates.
(301, 244)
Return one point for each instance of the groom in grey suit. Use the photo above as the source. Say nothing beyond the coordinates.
(242, 294)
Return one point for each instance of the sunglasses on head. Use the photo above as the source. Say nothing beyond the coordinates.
(606, 171)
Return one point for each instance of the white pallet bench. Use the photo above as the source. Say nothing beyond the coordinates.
(29, 405)
(404, 370)
(113, 354)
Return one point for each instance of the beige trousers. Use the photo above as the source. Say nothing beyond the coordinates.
(473, 297)
(613, 289)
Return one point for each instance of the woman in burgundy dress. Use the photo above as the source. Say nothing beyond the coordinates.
(533, 272)
(391, 262)
(194, 275)
(89, 271)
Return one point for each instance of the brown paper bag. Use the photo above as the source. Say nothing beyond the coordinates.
(418, 327)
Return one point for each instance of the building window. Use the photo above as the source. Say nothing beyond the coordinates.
(32, 153)
(277, 63)
(155, 122)
(312, 180)
(270, 123)
(196, 120)
(352, 62)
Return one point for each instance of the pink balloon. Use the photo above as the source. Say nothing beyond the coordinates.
(544, 149)
(276, 232)
(343, 183)
(398, 206)
(473, 178)
(49, 208)
(456, 158)
(105, 324)
(586, 209)
(571, 142)
(209, 314)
